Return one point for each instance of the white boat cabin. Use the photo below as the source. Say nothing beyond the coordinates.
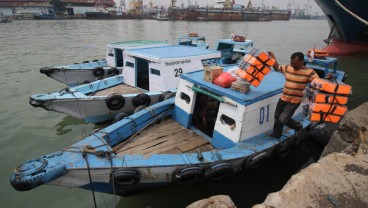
(159, 69)
(225, 116)
(114, 51)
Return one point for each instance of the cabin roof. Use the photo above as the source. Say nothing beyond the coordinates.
(192, 38)
(167, 52)
(271, 85)
(229, 41)
(136, 43)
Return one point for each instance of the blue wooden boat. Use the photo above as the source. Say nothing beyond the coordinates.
(149, 75)
(232, 51)
(89, 71)
(193, 39)
(206, 133)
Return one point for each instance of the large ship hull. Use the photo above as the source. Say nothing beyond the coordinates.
(346, 27)
(114, 16)
(204, 14)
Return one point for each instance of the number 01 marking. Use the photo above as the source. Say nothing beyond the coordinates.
(262, 114)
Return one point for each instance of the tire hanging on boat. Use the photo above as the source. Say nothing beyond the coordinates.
(219, 170)
(32, 174)
(115, 101)
(48, 71)
(119, 117)
(95, 60)
(85, 62)
(125, 176)
(284, 148)
(139, 108)
(98, 72)
(163, 95)
(170, 95)
(188, 175)
(113, 71)
(141, 99)
(254, 160)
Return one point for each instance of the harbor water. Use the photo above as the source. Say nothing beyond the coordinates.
(27, 132)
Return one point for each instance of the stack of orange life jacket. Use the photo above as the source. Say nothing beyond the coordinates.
(254, 66)
(328, 99)
(321, 54)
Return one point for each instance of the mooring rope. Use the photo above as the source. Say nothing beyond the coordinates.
(90, 178)
(351, 13)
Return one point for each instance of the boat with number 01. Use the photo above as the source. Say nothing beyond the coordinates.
(205, 133)
(89, 71)
(149, 75)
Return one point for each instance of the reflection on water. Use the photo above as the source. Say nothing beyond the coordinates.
(67, 121)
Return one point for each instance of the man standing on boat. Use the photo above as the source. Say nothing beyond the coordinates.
(297, 77)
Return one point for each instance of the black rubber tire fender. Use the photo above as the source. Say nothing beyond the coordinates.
(48, 71)
(141, 99)
(188, 175)
(98, 72)
(219, 170)
(120, 116)
(163, 95)
(253, 161)
(125, 176)
(139, 108)
(115, 101)
(113, 71)
(170, 95)
(85, 62)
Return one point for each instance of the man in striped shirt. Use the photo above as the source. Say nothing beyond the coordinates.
(297, 76)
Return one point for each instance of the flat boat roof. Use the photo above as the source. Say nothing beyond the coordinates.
(166, 52)
(136, 43)
(271, 85)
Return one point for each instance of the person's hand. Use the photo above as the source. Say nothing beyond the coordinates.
(271, 54)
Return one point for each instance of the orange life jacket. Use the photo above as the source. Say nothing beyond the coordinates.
(321, 97)
(322, 117)
(254, 66)
(331, 86)
(328, 108)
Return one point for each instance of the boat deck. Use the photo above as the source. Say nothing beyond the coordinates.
(167, 137)
(119, 89)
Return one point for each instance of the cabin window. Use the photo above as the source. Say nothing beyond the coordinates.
(226, 120)
(110, 52)
(185, 97)
(129, 64)
(155, 72)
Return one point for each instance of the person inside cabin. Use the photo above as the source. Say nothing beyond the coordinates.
(297, 77)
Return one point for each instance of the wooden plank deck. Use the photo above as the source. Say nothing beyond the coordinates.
(167, 137)
(120, 89)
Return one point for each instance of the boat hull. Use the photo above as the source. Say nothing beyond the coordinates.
(76, 74)
(98, 101)
(348, 28)
(123, 174)
(203, 14)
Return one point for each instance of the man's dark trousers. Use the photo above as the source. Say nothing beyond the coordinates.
(283, 113)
